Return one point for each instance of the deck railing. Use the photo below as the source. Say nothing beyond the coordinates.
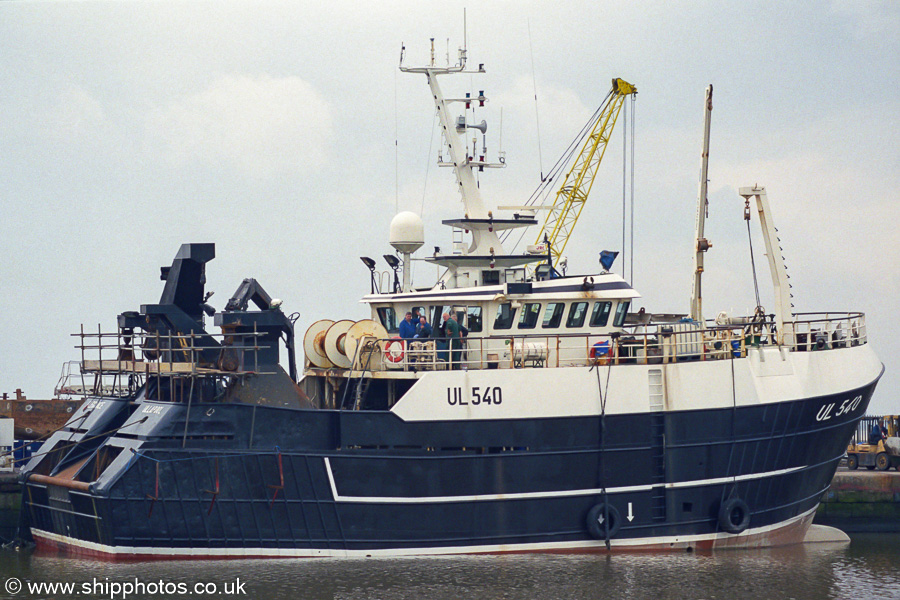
(117, 364)
(824, 331)
(650, 343)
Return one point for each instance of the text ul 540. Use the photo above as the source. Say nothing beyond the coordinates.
(846, 407)
(488, 395)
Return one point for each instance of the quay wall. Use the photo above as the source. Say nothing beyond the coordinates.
(10, 503)
(862, 501)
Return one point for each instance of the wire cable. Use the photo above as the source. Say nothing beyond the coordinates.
(428, 163)
(542, 191)
(631, 250)
(534, 88)
(752, 260)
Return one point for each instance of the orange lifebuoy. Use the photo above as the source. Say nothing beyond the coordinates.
(394, 349)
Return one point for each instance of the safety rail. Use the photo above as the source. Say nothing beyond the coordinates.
(118, 364)
(650, 343)
(825, 331)
(72, 382)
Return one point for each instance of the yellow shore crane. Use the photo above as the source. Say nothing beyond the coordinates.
(576, 186)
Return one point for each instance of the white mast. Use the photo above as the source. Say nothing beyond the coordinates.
(484, 261)
(485, 241)
(701, 244)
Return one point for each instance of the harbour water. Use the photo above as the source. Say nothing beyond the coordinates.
(866, 568)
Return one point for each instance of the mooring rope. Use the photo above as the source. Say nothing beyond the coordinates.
(93, 437)
(600, 463)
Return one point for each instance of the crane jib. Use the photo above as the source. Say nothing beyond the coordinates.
(576, 186)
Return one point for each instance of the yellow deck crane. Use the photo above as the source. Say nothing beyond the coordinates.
(576, 186)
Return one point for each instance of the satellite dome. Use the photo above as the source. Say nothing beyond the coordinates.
(407, 232)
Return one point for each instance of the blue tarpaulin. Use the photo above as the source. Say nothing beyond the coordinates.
(607, 258)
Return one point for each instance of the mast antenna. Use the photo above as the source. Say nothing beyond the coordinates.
(500, 143)
(396, 146)
(465, 34)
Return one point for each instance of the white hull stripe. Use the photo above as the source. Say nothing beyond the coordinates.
(551, 494)
(585, 545)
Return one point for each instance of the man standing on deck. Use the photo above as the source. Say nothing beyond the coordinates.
(463, 334)
(451, 329)
(423, 329)
(407, 328)
(462, 328)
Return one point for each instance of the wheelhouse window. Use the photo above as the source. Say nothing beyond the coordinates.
(577, 313)
(474, 319)
(553, 315)
(388, 318)
(600, 314)
(490, 278)
(530, 314)
(515, 275)
(460, 312)
(505, 316)
(621, 313)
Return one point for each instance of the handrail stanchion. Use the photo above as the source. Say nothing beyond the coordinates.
(171, 369)
(255, 349)
(158, 367)
(98, 378)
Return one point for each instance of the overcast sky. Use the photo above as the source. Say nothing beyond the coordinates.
(284, 133)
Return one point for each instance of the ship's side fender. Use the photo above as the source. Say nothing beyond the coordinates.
(734, 515)
(597, 523)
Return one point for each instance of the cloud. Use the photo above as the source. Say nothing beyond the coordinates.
(869, 20)
(75, 114)
(263, 126)
(830, 205)
(561, 111)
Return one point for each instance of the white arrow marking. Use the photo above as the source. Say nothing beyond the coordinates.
(630, 516)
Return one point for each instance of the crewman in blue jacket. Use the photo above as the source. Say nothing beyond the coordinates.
(407, 328)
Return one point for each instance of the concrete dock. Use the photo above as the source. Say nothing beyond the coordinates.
(862, 501)
(10, 502)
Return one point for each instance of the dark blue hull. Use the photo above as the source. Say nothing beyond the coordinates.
(263, 481)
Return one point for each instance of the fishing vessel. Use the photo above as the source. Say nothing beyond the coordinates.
(564, 421)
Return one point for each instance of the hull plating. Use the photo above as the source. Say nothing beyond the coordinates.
(783, 534)
(359, 483)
